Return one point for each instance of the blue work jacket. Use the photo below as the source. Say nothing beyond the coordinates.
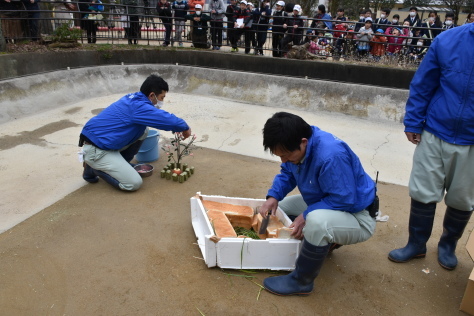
(441, 97)
(124, 121)
(330, 177)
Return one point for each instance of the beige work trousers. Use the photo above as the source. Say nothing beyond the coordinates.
(440, 167)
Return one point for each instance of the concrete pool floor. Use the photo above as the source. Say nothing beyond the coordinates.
(95, 250)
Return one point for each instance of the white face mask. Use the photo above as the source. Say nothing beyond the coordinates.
(361, 17)
(159, 104)
(449, 22)
(431, 19)
(419, 43)
(382, 16)
(198, 12)
(412, 14)
(394, 21)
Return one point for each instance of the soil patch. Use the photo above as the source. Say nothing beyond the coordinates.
(100, 251)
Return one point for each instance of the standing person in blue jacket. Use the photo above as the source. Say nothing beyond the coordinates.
(180, 8)
(439, 119)
(321, 17)
(335, 194)
(111, 139)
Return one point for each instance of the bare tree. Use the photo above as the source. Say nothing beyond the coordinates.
(414, 3)
(3, 44)
(377, 5)
(456, 6)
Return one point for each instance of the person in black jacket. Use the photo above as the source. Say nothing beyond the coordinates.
(32, 8)
(229, 13)
(413, 18)
(88, 7)
(278, 32)
(163, 8)
(200, 27)
(242, 22)
(431, 28)
(295, 28)
(261, 20)
(383, 22)
(133, 31)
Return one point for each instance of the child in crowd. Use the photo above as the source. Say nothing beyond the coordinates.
(314, 47)
(395, 42)
(395, 20)
(378, 45)
(346, 46)
(365, 36)
(419, 51)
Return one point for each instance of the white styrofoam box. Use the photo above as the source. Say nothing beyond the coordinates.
(242, 253)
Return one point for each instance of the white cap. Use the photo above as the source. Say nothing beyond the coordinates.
(250, 3)
(297, 7)
(198, 6)
(282, 3)
(244, 2)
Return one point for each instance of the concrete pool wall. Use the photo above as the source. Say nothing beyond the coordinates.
(33, 94)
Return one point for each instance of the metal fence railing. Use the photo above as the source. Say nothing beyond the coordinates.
(127, 24)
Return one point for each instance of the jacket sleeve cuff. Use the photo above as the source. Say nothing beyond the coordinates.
(417, 130)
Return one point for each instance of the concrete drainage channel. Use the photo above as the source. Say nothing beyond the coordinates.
(36, 93)
(42, 115)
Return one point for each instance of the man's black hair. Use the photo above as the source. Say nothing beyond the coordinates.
(396, 16)
(322, 8)
(414, 8)
(154, 84)
(285, 131)
(340, 10)
(387, 11)
(368, 10)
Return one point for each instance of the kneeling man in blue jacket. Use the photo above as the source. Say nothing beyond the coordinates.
(111, 139)
(335, 194)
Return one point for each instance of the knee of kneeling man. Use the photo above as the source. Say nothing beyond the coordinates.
(134, 185)
(315, 222)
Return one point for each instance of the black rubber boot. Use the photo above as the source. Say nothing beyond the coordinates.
(131, 151)
(301, 280)
(107, 178)
(419, 230)
(453, 227)
(88, 174)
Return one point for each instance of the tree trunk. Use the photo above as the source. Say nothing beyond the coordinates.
(3, 44)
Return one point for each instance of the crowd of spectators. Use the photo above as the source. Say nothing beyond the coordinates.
(248, 25)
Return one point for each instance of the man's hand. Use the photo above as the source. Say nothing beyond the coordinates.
(285, 26)
(197, 19)
(295, 26)
(298, 226)
(413, 137)
(186, 134)
(270, 206)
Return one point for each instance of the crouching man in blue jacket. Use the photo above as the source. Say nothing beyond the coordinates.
(335, 194)
(111, 139)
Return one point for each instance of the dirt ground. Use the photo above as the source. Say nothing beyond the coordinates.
(100, 251)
